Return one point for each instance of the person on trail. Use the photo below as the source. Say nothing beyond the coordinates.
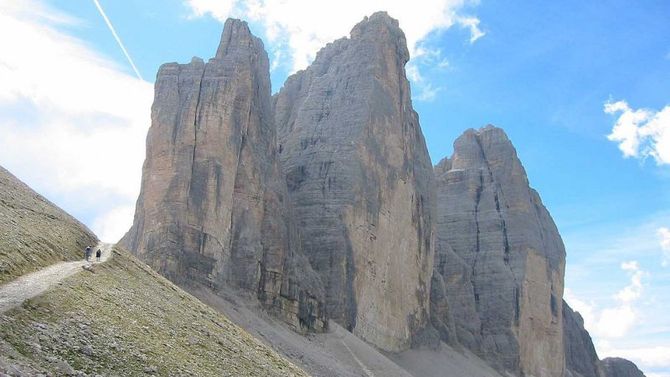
(98, 254)
(87, 253)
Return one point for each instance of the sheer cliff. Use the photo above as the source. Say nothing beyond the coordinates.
(500, 258)
(213, 204)
(321, 203)
(581, 359)
(360, 182)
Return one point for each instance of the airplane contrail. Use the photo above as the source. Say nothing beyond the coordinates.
(118, 40)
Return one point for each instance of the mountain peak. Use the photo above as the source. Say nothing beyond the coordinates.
(236, 35)
(382, 28)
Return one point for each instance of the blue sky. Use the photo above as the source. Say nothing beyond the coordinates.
(73, 116)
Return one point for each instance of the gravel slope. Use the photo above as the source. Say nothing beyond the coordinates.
(34, 233)
(123, 319)
(30, 285)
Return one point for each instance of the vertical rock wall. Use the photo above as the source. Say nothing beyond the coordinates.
(504, 278)
(360, 182)
(581, 359)
(213, 204)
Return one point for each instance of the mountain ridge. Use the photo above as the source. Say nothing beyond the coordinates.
(318, 206)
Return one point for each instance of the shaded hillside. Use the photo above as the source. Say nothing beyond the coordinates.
(34, 233)
(127, 320)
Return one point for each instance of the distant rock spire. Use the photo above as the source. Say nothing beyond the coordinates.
(500, 256)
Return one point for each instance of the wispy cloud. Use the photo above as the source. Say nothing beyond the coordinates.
(646, 357)
(116, 36)
(422, 89)
(471, 23)
(641, 133)
(73, 123)
(303, 27)
(617, 320)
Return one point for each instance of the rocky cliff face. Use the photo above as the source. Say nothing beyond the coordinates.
(360, 181)
(322, 203)
(213, 204)
(581, 359)
(503, 272)
(617, 367)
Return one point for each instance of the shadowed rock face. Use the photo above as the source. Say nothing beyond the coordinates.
(360, 181)
(500, 257)
(213, 208)
(581, 359)
(617, 367)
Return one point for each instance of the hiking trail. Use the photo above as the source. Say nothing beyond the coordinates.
(15, 292)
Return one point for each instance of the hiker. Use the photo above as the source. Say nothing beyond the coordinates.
(87, 253)
(98, 254)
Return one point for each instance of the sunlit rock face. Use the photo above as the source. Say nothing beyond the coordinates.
(213, 207)
(500, 257)
(361, 183)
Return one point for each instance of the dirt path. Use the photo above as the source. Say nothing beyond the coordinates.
(13, 294)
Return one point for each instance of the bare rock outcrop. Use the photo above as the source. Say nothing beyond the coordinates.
(500, 257)
(581, 359)
(618, 367)
(213, 206)
(361, 182)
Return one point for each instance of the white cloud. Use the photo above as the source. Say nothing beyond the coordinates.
(643, 357)
(303, 27)
(614, 321)
(114, 223)
(641, 133)
(219, 9)
(73, 123)
(471, 23)
(422, 89)
(664, 240)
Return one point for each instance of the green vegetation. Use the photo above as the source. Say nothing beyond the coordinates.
(124, 319)
(34, 233)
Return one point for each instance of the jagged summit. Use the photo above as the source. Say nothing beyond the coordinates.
(212, 209)
(321, 203)
(500, 257)
(483, 146)
(237, 36)
(382, 28)
(377, 36)
(360, 182)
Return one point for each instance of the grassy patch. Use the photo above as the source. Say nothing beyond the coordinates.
(126, 320)
(34, 233)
